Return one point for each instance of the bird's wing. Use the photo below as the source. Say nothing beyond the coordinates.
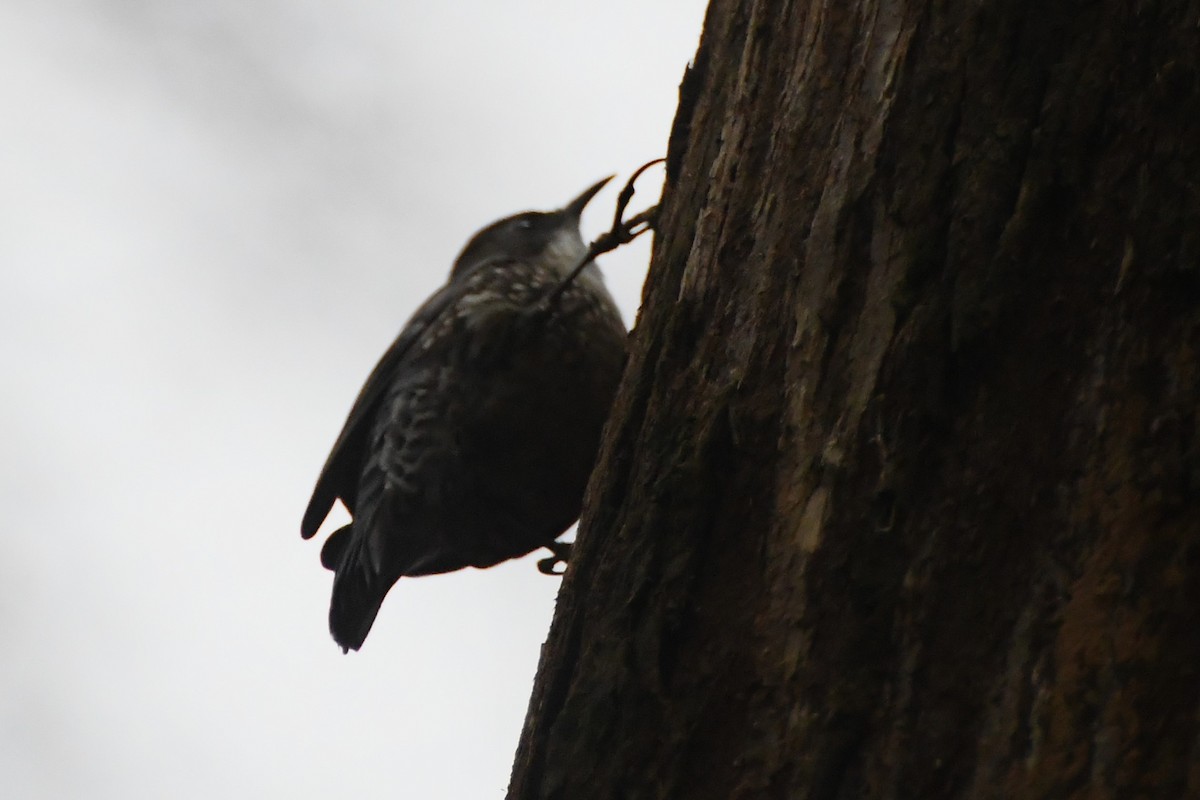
(343, 468)
(405, 456)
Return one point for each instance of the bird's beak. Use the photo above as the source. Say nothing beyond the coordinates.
(575, 207)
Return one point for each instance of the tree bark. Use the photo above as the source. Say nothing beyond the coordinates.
(901, 493)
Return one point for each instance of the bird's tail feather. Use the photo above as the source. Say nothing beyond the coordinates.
(358, 591)
(335, 546)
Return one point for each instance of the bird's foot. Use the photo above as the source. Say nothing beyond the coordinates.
(623, 231)
(560, 552)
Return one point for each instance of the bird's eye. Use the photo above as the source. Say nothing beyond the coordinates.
(524, 224)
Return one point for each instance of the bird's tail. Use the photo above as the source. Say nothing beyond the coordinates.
(358, 589)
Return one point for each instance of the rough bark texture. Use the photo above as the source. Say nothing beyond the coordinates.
(901, 495)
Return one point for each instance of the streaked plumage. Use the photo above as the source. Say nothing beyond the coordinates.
(472, 440)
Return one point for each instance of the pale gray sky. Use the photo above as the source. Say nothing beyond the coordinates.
(214, 217)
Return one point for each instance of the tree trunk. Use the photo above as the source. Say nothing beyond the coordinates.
(901, 493)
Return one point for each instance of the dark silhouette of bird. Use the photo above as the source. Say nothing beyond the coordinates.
(473, 438)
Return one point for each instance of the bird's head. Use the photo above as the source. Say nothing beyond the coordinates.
(550, 236)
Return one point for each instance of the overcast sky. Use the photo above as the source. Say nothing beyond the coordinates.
(214, 217)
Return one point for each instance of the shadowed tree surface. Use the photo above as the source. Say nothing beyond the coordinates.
(899, 498)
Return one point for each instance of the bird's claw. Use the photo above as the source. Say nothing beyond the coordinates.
(560, 552)
(623, 231)
(622, 228)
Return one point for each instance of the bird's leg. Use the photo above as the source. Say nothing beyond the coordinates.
(561, 552)
(623, 231)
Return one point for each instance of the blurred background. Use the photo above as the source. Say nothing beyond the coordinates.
(214, 217)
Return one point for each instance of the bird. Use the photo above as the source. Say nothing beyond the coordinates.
(473, 438)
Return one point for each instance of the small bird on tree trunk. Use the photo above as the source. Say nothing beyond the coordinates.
(473, 438)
